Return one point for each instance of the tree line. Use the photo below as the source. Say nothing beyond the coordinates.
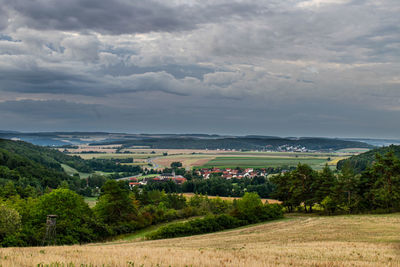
(377, 189)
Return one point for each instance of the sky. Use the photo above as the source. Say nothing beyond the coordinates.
(277, 67)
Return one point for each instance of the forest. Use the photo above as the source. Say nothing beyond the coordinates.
(361, 162)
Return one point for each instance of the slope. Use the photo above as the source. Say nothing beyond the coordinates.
(358, 240)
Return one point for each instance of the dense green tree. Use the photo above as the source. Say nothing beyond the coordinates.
(347, 189)
(75, 223)
(304, 186)
(324, 184)
(176, 164)
(10, 221)
(385, 175)
(115, 205)
(248, 208)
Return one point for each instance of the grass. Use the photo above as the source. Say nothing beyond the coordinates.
(260, 162)
(91, 201)
(71, 171)
(356, 240)
(143, 232)
(148, 176)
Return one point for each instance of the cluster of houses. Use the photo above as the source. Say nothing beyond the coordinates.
(205, 173)
(231, 173)
(164, 177)
(291, 148)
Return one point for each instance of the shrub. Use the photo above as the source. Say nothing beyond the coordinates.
(197, 226)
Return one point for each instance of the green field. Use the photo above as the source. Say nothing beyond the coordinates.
(71, 171)
(262, 162)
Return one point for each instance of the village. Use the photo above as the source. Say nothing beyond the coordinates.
(205, 173)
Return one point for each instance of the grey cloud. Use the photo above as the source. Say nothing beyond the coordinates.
(59, 82)
(3, 17)
(38, 80)
(83, 48)
(213, 66)
(178, 71)
(120, 16)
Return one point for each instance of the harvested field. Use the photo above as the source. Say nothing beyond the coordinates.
(358, 240)
(188, 161)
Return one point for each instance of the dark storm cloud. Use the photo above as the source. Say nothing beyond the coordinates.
(37, 80)
(332, 118)
(120, 16)
(66, 82)
(52, 110)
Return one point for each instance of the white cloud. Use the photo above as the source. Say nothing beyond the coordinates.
(319, 3)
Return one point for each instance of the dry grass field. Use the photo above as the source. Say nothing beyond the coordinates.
(188, 161)
(360, 240)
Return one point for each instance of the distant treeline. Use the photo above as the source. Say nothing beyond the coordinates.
(242, 143)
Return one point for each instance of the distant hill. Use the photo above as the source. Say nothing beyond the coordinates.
(189, 141)
(361, 161)
(244, 143)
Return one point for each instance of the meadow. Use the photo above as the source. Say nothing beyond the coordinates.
(261, 162)
(352, 240)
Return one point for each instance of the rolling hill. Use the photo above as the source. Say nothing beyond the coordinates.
(243, 143)
(360, 162)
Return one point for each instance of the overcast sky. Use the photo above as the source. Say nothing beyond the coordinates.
(273, 67)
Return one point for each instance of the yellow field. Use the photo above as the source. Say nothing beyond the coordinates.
(334, 161)
(187, 161)
(365, 240)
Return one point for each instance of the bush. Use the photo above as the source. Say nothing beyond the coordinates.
(247, 210)
(208, 224)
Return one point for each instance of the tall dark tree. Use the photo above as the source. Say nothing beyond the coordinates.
(304, 181)
(115, 205)
(385, 174)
